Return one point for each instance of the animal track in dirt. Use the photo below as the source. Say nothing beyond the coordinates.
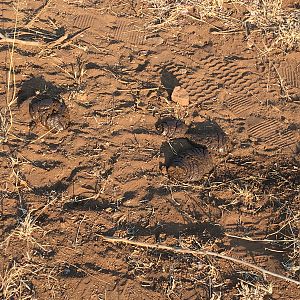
(190, 165)
(171, 127)
(188, 153)
(207, 133)
(210, 134)
(50, 112)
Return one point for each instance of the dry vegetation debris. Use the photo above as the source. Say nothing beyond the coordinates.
(87, 213)
(268, 17)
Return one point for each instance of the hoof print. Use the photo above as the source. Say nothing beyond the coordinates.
(51, 113)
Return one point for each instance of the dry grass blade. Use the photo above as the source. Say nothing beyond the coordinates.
(249, 291)
(37, 14)
(15, 281)
(25, 232)
(269, 16)
(6, 116)
(199, 252)
(265, 17)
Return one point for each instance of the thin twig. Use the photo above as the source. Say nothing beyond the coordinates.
(281, 82)
(64, 40)
(137, 90)
(246, 238)
(38, 12)
(40, 137)
(4, 39)
(199, 252)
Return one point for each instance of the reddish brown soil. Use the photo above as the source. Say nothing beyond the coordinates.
(102, 177)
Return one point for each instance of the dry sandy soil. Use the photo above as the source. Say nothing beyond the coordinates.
(62, 193)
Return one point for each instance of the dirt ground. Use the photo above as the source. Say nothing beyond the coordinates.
(61, 193)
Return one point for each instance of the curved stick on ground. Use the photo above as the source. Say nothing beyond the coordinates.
(199, 252)
(4, 39)
(64, 40)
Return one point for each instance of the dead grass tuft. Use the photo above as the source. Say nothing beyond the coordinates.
(254, 291)
(167, 12)
(26, 232)
(288, 235)
(15, 282)
(279, 26)
(283, 26)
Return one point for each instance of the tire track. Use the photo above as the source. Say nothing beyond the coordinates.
(240, 104)
(213, 75)
(290, 74)
(84, 21)
(130, 33)
(272, 133)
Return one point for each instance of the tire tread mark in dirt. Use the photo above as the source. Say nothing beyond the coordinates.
(290, 74)
(271, 133)
(128, 32)
(205, 82)
(235, 77)
(283, 141)
(262, 129)
(239, 104)
(177, 70)
(84, 21)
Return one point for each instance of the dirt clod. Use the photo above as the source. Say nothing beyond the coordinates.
(180, 96)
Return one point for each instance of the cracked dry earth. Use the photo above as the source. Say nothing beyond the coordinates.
(101, 176)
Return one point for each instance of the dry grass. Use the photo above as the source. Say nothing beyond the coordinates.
(267, 17)
(253, 291)
(25, 233)
(18, 273)
(79, 71)
(15, 282)
(5, 123)
(167, 12)
(6, 116)
(18, 277)
(288, 236)
(281, 27)
(75, 71)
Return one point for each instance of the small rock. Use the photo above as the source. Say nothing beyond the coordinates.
(180, 96)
